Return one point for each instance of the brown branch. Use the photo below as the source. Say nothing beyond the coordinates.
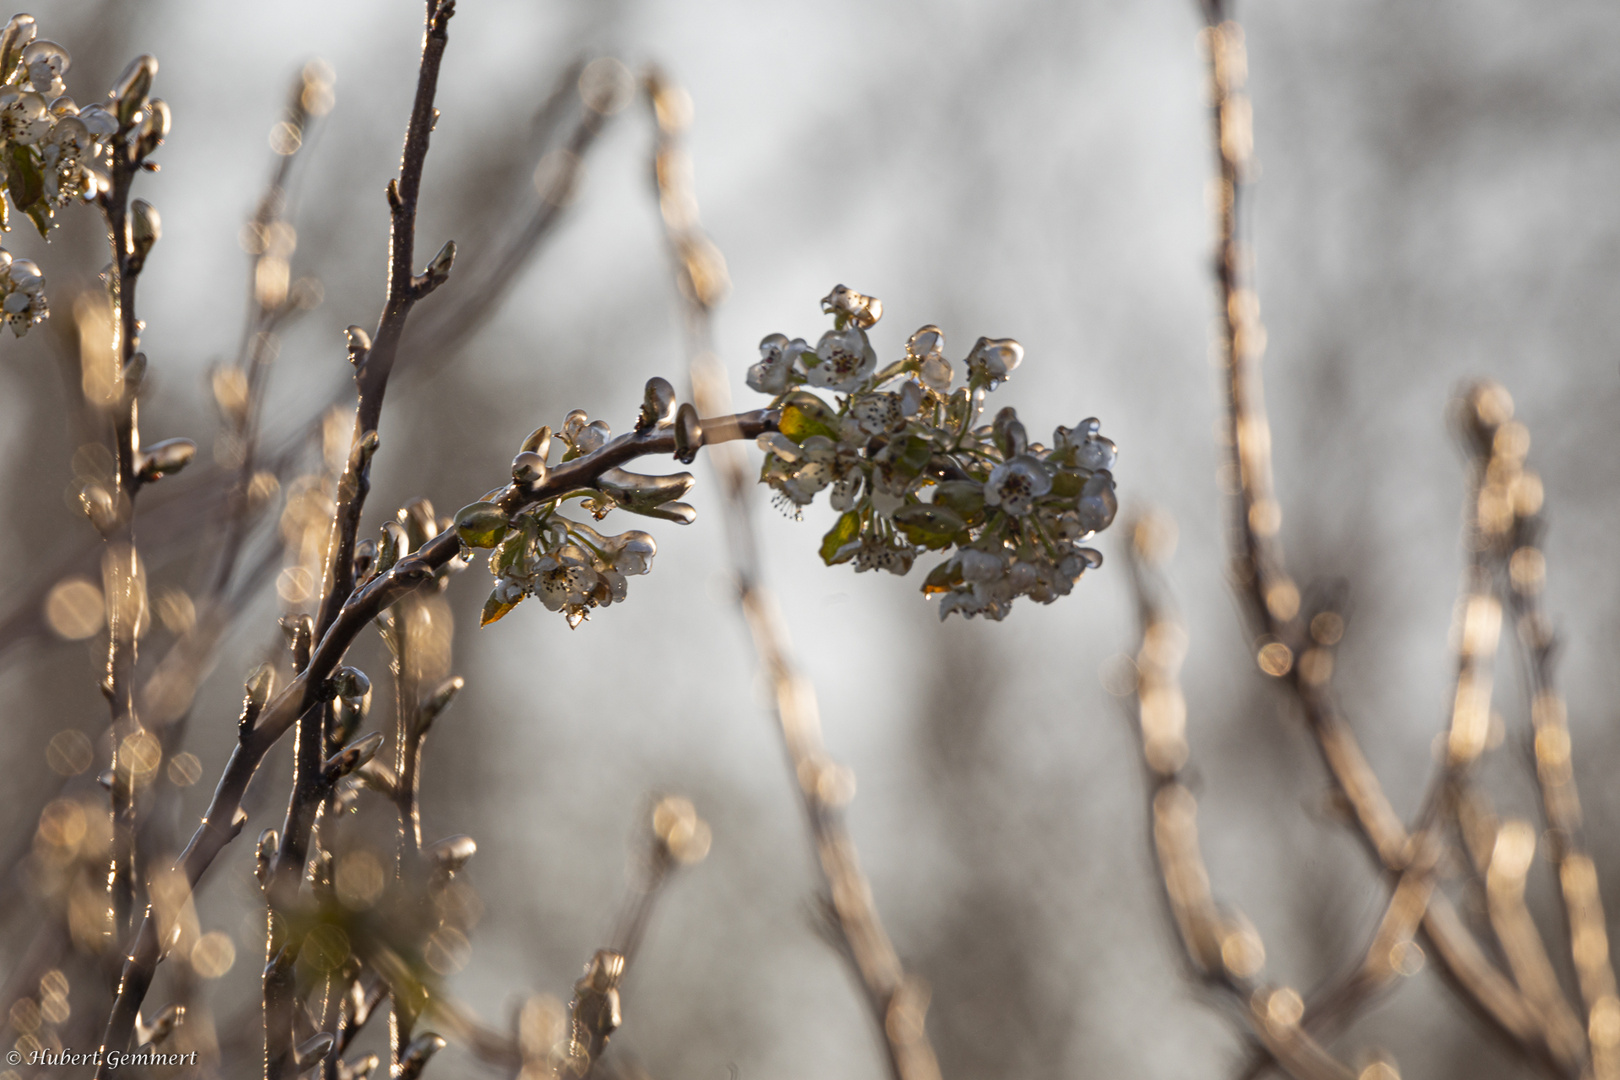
(1220, 947)
(1270, 595)
(263, 728)
(897, 1001)
(1509, 505)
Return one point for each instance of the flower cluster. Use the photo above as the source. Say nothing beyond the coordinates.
(911, 468)
(545, 553)
(53, 151)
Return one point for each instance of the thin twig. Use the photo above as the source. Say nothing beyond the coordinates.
(897, 1001)
(225, 817)
(1221, 948)
(1270, 595)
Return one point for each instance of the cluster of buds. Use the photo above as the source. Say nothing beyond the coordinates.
(55, 150)
(569, 565)
(910, 467)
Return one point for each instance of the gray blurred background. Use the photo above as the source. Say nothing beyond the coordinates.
(1437, 200)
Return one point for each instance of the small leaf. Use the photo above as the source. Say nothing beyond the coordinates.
(942, 578)
(1067, 484)
(804, 415)
(494, 610)
(846, 529)
(965, 497)
(932, 527)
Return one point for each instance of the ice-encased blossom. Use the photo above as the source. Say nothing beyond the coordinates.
(1015, 485)
(777, 359)
(843, 359)
(993, 359)
(44, 64)
(912, 468)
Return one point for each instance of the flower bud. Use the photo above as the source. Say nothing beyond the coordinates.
(359, 344)
(314, 1049)
(392, 547)
(688, 434)
(99, 506)
(438, 271)
(152, 1034)
(264, 857)
(437, 702)
(416, 1055)
(164, 458)
(539, 442)
(452, 853)
(657, 404)
(484, 524)
(145, 229)
(129, 92)
(529, 468)
(351, 757)
(365, 559)
(155, 127)
(135, 373)
(350, 682)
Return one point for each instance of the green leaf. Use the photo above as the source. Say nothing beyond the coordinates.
(804, 415)
(494, 610)
(932, 527)
(846, 529)
(24, 180)
(965, 497)
(1067, 484)
(942, 578)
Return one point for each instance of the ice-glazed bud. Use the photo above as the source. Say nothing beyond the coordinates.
(421, 524)
(44, 64)
(993, 359)
(350, 682)
(592, 437)
(98, 121)
(99, 507)
(359, 344)
(16, 37)
(165, 458)
(529, 468)
(633, 552)
(314, 1049)
(438, 271)
(688, 434)
(158, 1030)
(657, 404)
(351, 757)
(451, 853)
(145, 229)
(683, 835)
(391, 546)
(358, 1070)
(259, 686)
(63, 107)
(155, 124)
(438, 701)
(1008, 431)
(1098, 505)
(574, 423)
(416, 1056)
(264, 856)
(1097, 453)
(539, 442)
(25, 274)
(129, 92)
(847, 305)
(365, 559)
(483, 524)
